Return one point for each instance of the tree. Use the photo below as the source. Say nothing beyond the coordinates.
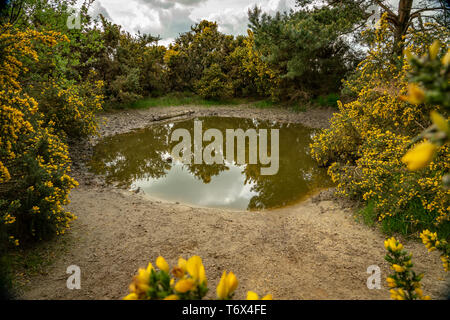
(195, 51)
(131, 66)
(405, 15)
(306, 47)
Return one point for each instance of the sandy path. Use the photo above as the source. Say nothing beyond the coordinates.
(312, 250)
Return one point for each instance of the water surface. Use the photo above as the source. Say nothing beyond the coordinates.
(143, 159)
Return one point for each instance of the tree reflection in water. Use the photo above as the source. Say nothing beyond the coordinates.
(143, 159)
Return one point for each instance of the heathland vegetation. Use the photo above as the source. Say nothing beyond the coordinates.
(387, 146)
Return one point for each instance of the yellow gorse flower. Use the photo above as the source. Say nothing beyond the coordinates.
(397, 294)
(416, 95)
(178, 272)
(420, 156)
(140, 284)
(434, 49)
(162, 264)
(391, 282)
(446, 58)
(182, 264)
(188, 282)
(439, 121)
(254, 296)
(196, 269)
(398, 268)
(227, 285)
(184, 285)
(393, 244)
(131, 296)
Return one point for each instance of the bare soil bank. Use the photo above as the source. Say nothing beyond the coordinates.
(312, 250)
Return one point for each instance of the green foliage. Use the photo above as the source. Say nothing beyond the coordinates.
(34, 162)
(213, 84)
(368, 213)
(404, 281)
(196, 51)
(130, 66)
(368, 138)
(264, 104)
(306, 48)
(329, 100)
(175, 99)
(63, 81)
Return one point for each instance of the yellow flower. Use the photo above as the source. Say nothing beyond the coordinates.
(254, 296)
(397, 295)
(182, 264)
(222, 292)
(178, 272)
(434, 49)
(227, 285)
(141, 281)
(408, 54)
(131, 296)
(419, 292)
(398, 268)
(393, 244)
(172, 297)
(446, 58)
(439, 121)
(184, 285)
(162, 264)
(391, 282)
(196, 269)
(415, 94)
(420, 156)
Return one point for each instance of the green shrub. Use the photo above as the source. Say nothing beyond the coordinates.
(214, 84)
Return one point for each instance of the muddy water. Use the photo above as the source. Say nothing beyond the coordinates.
(144, 159)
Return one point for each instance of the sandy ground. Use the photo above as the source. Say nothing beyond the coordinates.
(312, 250)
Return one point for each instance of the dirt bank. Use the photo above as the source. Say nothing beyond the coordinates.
(312, 250)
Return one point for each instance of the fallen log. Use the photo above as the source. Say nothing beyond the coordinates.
(170, 116)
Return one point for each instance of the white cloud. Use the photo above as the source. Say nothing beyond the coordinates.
(168, 18)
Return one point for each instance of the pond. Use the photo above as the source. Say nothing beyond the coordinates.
(145, 159)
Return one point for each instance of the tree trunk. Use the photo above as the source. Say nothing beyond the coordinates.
(401, 25)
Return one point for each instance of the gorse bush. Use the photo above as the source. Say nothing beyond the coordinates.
(404, 282)
(186, 281)
(213, 84)
(215, 65)
(34, 162)
(305, 48)
(71, 107)
(432, 242)
(368, 138)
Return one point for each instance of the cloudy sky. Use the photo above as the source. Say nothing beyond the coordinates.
(168, 18)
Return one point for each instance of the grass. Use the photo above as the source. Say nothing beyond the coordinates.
(329, 100)
(176, 99)
(400, 224)
(368, 214)
(294, 106)
(264, 104)
(19, 264)
(180, 99)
